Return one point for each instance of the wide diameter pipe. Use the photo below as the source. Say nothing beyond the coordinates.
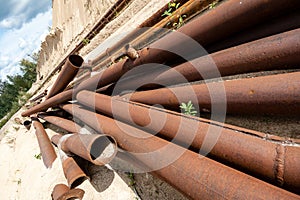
(98, 149)
(47, 150)
(66, 75)
(266, 95)
(73, 173)
(63, 192)
(226, 19)
(236, 146)
(197, 179)
(275, 52)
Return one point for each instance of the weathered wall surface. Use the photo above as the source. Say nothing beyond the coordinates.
(72, 20)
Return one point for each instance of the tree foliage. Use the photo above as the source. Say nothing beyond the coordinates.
(17, 85)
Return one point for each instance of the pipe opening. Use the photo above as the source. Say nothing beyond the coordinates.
(103, 148)
(76, 60)
(78, 182)
(27, 122)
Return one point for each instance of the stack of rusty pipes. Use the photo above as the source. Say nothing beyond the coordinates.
(277, 162)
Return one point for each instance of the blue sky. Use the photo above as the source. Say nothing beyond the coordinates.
(23, 26)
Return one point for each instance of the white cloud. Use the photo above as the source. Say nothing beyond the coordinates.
(18, 43)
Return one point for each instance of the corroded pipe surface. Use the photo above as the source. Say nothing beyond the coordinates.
(265, 95)
(275, 52)
(73, 173)
(63, 123)
(53, 101)
(47, 150)
(229, 17)
(98, 149)
(63, 192)
(66, 75)
(285, 22)
(192, 174)
(235, 146)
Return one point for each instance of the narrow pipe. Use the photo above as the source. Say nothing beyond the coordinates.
(226, 19)
(39, 96)
(47, 150)
(63, 123)
(98, 149)
(143, 34)
(235, 146)
(53, 101)
(66, 75)
(196, 176)
(63, 192)
(265, 95)
(275, 52)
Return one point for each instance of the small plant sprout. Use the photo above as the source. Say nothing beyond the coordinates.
(85, 41)
(38, 156)
(213, 5)
(172, 6)
(188, 108)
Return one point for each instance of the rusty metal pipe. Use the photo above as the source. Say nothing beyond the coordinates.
(73, 173)
(267, 95)
(145, 33)
(98, 149)
(235, 146)
(66, 75)
(53, 101)
(274, 52)
(39, 96)
(283, 23)
(47, 150)
(63, 123)
(197, 179)
(229, 17)
(63, 192)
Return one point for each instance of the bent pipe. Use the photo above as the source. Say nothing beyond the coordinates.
(197, 178)
(267, 95)
(235, 145)
(63, 123)
(98, 149)
(47, 150)
(275, 52)
(63, 192)
(226, 19)
(66, 75)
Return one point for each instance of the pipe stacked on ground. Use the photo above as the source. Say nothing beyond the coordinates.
(98, 149)
(47, 150)
(228, 18)
(198, 177)
(265, 95)
(63, 192)
(66, 75)
(234, 145)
